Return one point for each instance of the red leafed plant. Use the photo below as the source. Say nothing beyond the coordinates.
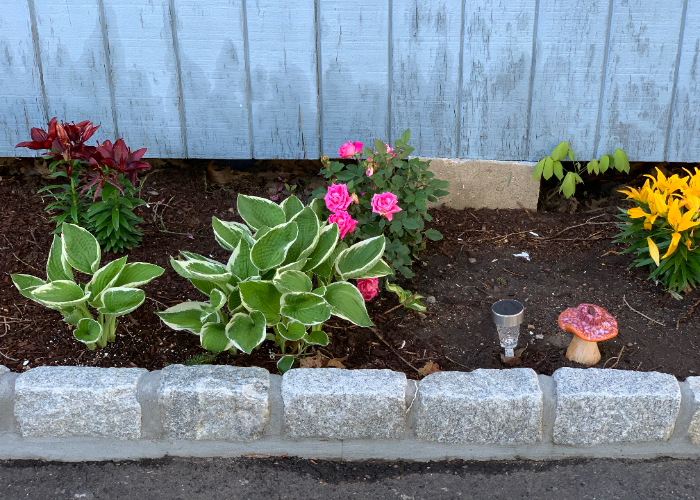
(108, 171)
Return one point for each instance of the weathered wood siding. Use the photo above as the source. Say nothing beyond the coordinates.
(494, 79)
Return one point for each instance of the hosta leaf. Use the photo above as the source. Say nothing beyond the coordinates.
(325, 268)
(291, 207)
(104, 277)
(317, 337)
(327, 241)
(360, 257)
(137, 274)
(318, 206)
(271, 250)
(57, 267)
(259, 212)
(380, 269)
(59, 294)
(88, 331)
(214, 337)
(240, 264)
(346, 302)
(234, 301)
(217, 299)
(184, 316)
(81, 249)
(306, 308)
(285, 363)
(293, 281)
(206, 271)
(25, 283)
(294, 266)
(261, 296)
(307, 222)
(246, 331)
(228, 234)
(121, 301)
(293, 331)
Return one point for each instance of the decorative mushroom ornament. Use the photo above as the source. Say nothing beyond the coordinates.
(589, 324)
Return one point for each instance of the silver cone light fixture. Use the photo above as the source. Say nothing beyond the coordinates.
(508, 315)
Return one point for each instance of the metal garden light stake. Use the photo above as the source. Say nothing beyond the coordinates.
(507, 315)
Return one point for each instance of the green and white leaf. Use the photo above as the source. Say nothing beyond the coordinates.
(307, 308)
(184, 316)
(137, 274)
(346, 302)
(59, 294)
(285, 364)
(240, 264)
(291, 207)
(271, 250)
(214, 339)
(293, 281)
(119, 301)
(328, 238)
(206, 271)
(57, 267)
(308, 225)
(81, 249)
(88, 331)
(246, 331)
(25, 283)
(360, 257)
(380, 269)
(317, 337)
(325, 268)
(293, 331)
(261, 296)
(228, 234)
(104, 277)
(259, 212)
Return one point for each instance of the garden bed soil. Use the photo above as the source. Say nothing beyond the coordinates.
(572, 260)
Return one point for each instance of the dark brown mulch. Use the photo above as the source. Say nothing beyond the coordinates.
(465, 273)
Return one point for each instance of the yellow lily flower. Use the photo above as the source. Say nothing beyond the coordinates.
(637, 213)
(680, 222)
(658, 204)
(641, 195)
(653, 250)
(675, 238)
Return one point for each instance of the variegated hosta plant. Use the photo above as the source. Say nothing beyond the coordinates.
(113, 290)
(288, 272)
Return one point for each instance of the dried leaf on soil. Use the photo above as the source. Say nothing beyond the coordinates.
(429, 368)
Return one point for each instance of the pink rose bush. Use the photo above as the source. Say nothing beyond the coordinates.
(346, 224)
(368, 288)
(350, 149)
(337, 199)
(385, 204)
(382, 190)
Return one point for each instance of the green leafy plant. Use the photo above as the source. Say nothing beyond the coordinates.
(287, 272)
(113, 290)
(384, 193)
(406, 298)
(552, 165)
(107, 170)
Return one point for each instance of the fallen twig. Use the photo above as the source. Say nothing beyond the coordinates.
(641, 314)
(29, 265)
(617, 358)
(587, 223)
(7, 357)
(458, 364)
(395, 351)
(402, 303)
(526, 211)
(514, 274)
(690, 312)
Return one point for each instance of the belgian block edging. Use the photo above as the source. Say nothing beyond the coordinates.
(82, 413)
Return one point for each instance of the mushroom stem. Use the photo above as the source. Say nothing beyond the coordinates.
(583, 351)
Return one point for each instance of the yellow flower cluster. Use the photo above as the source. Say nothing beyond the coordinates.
(672, 201)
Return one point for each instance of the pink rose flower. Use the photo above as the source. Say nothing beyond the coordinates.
(337, 198)
(385, 204)
(368, 288)
(346, 224)
(369, 172)
(349, 149)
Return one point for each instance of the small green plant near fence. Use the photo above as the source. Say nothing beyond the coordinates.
(383, 193)
(113, 290)
(552, 166)
(106, 171)
(287, 272)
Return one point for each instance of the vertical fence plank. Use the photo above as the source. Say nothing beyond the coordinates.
(355, 61)
(73, 60)
(282, 44)
(684, 137)
(568, 72)
(212, 60)
(496, 80)
(426, 45)
(640, 74)
(21, 103)
(145, 76)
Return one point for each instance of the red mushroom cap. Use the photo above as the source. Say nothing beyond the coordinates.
(593, 327)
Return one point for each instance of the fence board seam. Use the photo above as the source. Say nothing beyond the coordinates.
(178, 77)
(319, 77)
(108, 66)
(532, 79)
(248, 83)
(675, 80)
(460, 83)
(37, 58)
(390, 70)
(601, 99)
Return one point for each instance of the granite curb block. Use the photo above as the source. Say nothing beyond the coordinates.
(82, 413)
